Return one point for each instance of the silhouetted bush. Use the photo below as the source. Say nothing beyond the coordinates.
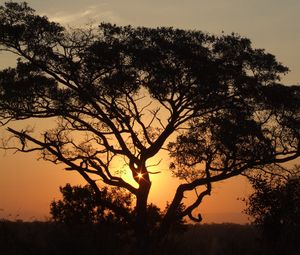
(80, 205)
(275, 209)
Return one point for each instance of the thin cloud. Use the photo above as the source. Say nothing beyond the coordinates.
(91, 15)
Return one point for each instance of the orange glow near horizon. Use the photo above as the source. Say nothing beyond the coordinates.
(27, 187)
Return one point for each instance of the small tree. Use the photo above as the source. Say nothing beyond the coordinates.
(275, 209)
(124, 94)
(80, 206)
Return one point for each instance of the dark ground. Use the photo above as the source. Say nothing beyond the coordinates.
(44, 238)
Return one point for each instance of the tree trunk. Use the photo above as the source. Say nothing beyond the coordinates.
(141, 224)
(171, 215)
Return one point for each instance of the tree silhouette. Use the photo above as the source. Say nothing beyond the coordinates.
(80, 206)
(124, 94)
(275, 209)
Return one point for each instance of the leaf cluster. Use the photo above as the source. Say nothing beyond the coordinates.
(80, 205)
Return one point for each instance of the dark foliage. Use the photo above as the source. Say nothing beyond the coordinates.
(275, 209)
(80, 205)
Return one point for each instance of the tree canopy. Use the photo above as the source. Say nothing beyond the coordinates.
(121, 92)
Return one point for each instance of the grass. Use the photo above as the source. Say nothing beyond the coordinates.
(215, 239)
(45, 238)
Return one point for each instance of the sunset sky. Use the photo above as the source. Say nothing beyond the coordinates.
(27, 186)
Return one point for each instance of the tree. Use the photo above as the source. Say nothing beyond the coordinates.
(80, 206)
(275, 209)
(123, 93)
